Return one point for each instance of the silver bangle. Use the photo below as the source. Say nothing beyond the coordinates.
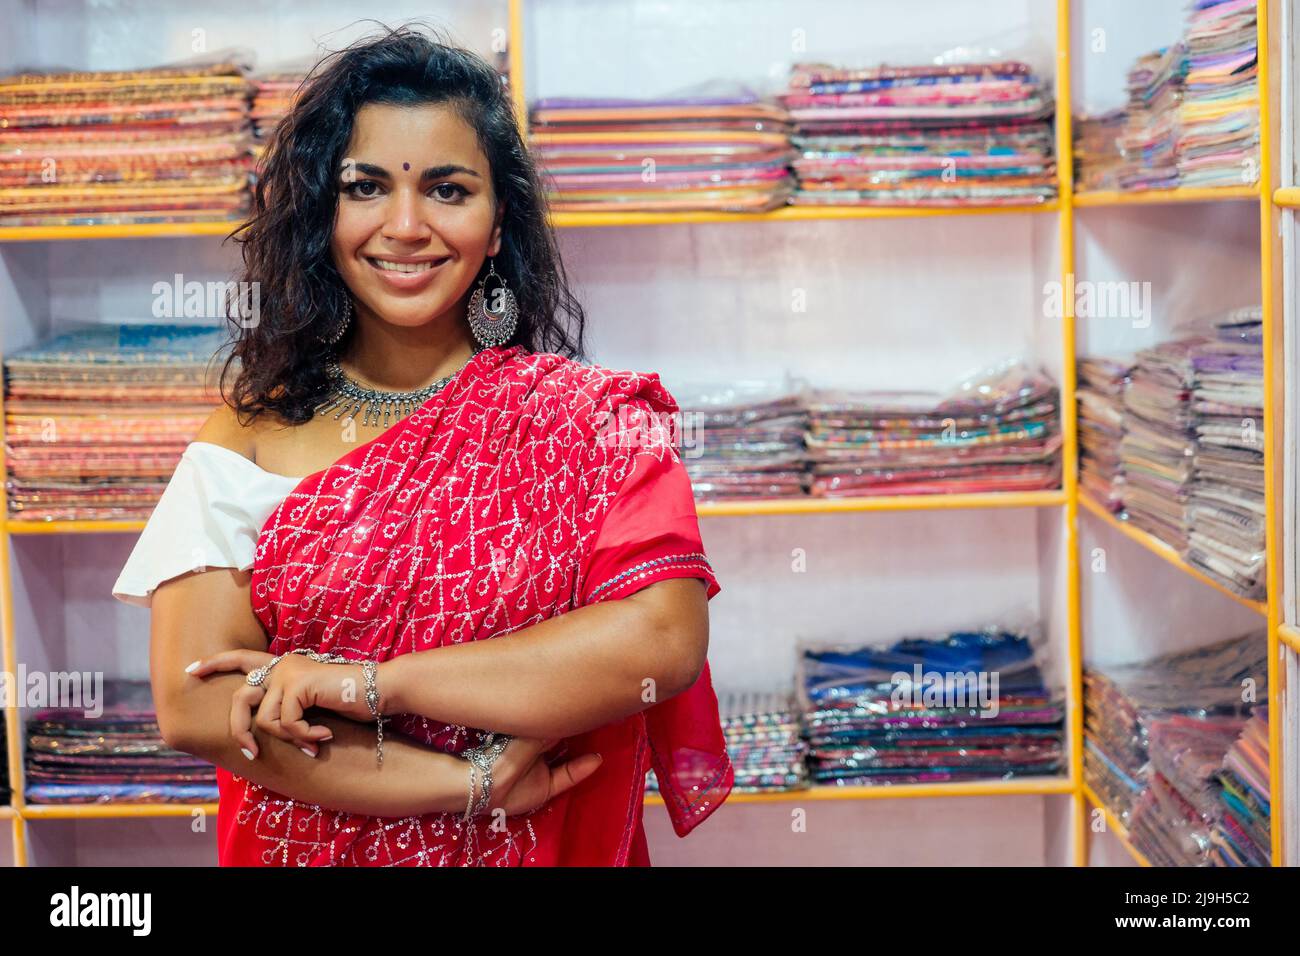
(369, 673)
(483, 758)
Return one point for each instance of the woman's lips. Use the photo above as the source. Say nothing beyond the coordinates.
(406, 276)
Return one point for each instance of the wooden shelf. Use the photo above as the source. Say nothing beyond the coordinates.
(1160, 197)
(731, 508)
(1025, 786)
(562, 220)
(1116, 828)
(809, 505)
(1287, 197)
(21, 526)
(1290, 636)
(1163, 550)
(589, 220)
(110, 811)
(150, 230)
(577, 220)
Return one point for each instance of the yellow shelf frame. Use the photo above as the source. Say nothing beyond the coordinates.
(1270, 266)
(1025, 786)
(1068, 496)
(1114, 825)
(705, 509)
(112, 811)
(591, 220)
(1166, 553)
(1160, 197)
(1287, 197)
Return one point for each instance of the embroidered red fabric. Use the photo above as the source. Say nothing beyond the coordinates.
(530, 486)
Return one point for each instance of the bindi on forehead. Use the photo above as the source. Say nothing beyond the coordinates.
(406, 166)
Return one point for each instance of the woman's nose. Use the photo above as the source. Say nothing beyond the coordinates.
(405, 221)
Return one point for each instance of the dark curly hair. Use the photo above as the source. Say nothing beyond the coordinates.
(285, 243)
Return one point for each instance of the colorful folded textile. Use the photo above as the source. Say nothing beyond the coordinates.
(956, 135)
(1192, 117)
(111, 753)
(96, 419)
(1101, 429)
(169, 144)
(728, 153)
(1160, 440)
(1098, 159)
(997, 432)
(1218, 141)
(1174, 820)
(274, 93)
(1242, 837)
(1166, 829)
(966, 706)
(1149, 140)
(1225, 510)
(1123, 703)
(743, 439)
(763, 742)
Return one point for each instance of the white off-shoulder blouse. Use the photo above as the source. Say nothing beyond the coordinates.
(209, 516)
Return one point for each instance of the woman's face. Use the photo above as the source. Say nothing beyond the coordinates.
(415, 212)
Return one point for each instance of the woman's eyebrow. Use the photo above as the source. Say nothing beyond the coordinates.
(433, 172)
(448, 169)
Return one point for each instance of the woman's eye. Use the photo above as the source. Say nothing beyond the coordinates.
(456, 191)
(361, 188)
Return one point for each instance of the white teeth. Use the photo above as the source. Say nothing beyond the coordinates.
(403, 266)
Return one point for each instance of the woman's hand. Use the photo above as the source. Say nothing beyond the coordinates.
(522, 781)
(277, 706)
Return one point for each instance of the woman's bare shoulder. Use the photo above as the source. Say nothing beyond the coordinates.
(224, 428)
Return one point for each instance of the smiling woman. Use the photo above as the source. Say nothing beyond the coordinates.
(466, 635)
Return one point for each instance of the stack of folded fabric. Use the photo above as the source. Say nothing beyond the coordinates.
(1121, 704)
(170, 144)
(1242, 835)
(1114, 744)
(96, 419)
(1174, 817)
(1150, 138)
(1098, 161)
(967, 134)
(1226, 513)
(1000, 432)
(1101, 429)
(763, 741)
(1218, 142)
(910, 713)
(111, 753)
(273, 95)
(726, 153)
(1160, 439)
(743, 439)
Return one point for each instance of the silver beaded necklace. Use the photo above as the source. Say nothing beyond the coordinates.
(349, 396)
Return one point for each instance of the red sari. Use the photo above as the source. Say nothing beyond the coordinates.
(530, 486)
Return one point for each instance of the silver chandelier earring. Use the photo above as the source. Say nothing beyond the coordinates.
(493, 315)
(332, 338)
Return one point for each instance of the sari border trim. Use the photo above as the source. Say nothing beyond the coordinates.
(694, 560)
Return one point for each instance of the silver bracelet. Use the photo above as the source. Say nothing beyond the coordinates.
(369, 673)
(483, 758)
(257, 676)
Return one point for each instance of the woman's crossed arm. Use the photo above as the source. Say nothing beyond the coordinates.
(200, 615)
